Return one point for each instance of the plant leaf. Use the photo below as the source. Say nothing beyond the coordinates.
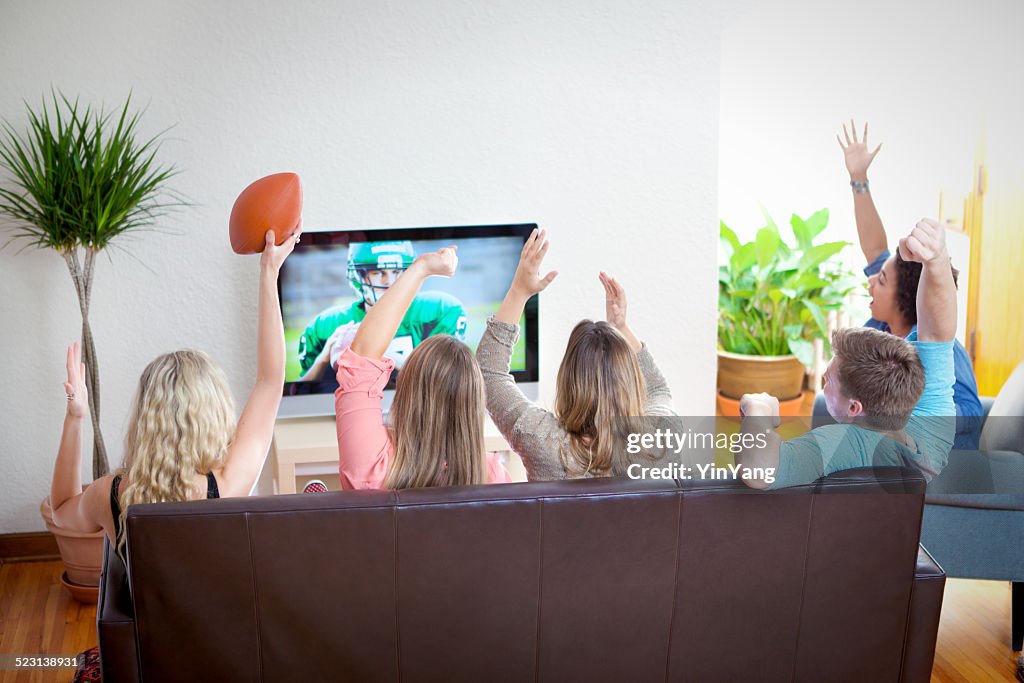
(767, 247)
(728, 237)
(819, 317)
(800, 231)
(803, 350)
(817, 222)
(814, 256)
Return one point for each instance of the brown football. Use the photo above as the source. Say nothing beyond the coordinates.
(273, 203)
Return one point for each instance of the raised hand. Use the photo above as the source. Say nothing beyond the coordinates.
(77, 393)
(925, 243)
(273, 255)
(858, 155)
(760, 405)
(614, 301)
(528, 280)
(442, 262)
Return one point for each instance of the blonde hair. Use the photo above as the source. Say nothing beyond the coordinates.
(599, 387)
(182, 420)
(437, 418)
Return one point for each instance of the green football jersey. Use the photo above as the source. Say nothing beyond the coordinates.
(429, 313)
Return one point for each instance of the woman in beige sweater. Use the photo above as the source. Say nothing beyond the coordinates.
(606, 375)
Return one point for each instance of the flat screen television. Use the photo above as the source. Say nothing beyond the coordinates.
(327, 283)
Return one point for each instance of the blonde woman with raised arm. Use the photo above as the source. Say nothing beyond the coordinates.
(182, 440)
(436, 431)
(606, 374)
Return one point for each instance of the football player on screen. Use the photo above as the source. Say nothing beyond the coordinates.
(372, 268)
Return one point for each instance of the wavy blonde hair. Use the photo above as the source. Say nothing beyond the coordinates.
(437, 418)
(598, 389)
(182, 420)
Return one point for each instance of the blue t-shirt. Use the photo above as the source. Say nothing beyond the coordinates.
(965, 392)
(836, 447)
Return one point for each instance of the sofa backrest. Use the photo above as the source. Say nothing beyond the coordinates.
(581, 580)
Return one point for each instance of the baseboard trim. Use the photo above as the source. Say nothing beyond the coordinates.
(28, 547)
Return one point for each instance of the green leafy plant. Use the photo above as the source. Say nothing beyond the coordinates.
(78, 180)
(773, 297)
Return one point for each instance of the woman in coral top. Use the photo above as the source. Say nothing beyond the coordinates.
(436, 431)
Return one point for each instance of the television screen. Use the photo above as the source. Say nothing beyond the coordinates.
(333, 277)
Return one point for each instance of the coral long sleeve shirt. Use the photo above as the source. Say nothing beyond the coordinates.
(364, 445)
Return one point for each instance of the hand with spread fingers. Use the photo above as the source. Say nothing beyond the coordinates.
(856, 151)
(528, 280)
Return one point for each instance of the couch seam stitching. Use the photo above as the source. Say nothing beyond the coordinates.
(803, 587)
(398, 630)
(675, 583)
(540, 588)
(255, 599)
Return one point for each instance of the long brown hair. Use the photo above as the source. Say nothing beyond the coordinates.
(599, 386)
(437, 418)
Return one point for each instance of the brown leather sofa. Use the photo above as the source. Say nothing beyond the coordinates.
(599, 580)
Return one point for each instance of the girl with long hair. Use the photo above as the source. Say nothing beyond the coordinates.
(436, 431)
(607, 379)
(182, 441)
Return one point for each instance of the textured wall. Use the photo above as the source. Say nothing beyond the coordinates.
(595, 119)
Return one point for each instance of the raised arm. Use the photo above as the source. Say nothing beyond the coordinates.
(527, 281)
(73, 509)
(248, 450)
(659, 396)
(506, 403)
(870, 230)
(761, 455)
(615, 309)
(936, 291)
(383, 318)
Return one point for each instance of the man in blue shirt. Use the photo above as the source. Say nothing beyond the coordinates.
(891, 397)
(892, 284)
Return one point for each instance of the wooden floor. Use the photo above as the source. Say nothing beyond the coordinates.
(38, 616)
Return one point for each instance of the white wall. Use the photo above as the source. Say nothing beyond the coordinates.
(598, 120)
(936, 81)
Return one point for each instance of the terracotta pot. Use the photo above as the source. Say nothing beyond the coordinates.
(780, 376)
(730, 407)
(88, 595)
(81, 552)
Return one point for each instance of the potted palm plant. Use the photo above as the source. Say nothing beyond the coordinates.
(773, 300)
(79, 179)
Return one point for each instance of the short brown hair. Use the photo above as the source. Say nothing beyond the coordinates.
(880, 370)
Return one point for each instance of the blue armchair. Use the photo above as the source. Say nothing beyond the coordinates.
(973, 521)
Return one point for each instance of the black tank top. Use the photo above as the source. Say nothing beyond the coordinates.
(115, 506)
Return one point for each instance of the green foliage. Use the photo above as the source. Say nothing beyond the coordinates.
(80, 178)
(774, 298)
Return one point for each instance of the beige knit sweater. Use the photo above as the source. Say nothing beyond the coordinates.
(531, 431)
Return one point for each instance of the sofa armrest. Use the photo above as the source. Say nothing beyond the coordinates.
(923, 619)
(115, 621)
